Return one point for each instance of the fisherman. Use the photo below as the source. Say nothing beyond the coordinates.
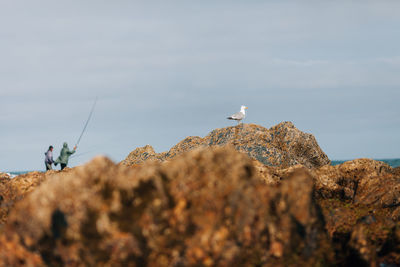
(49, 158)
(64, 156)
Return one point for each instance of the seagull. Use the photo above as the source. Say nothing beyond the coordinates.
(238, 116)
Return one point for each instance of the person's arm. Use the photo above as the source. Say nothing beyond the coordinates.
(72, 152)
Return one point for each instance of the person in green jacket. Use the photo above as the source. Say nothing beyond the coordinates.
(64, 156)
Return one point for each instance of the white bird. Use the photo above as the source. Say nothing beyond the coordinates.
(238, 116)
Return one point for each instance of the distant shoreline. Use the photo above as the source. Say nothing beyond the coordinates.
(16, 173)
(392, 162)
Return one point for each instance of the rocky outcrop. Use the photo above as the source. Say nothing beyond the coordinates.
(362, 234)
(211, 206)
(360, 203)
(14, 190)
(360, 200)
(13, 253)
(363, 181)
(4, 176)
(4, 179)
(208, 207)
(282, 145)
(142, 154)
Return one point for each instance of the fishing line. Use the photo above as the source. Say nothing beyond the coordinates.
(82, 154)
(87, 122)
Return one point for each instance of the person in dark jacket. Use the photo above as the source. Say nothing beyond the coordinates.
(48, 161)
(64, 156)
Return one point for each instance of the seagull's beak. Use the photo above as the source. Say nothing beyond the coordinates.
(246, 108)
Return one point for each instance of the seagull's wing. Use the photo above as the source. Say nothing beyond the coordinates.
(237, 116)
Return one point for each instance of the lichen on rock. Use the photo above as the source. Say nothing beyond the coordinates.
(282, 145)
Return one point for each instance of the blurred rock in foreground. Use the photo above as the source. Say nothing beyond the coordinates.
(211, 206)
(207, 207)
(282, 145)
(13, 253)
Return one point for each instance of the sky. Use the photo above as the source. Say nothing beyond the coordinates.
(164, 70)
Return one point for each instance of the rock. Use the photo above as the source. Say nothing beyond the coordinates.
(207, 207)
(4, 176)
(13, 190)
(292, 206)
(211, 206)
(12, 253)
(362, 235)
(359, 243)
(396, 214)
(350, 180)
(360, 200)
(141, 154)
(390, 252)
(270, 175)
(282, 145)
(396, 171)
(382, 191)
(4, 179)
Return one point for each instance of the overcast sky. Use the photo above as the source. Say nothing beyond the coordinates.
(170, 69)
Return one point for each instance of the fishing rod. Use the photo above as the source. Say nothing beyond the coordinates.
(87, 122)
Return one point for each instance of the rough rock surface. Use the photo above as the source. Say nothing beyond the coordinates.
(13, 253)
(362, 235)
(4, 179)
(362, 181)
(207, 208)
(282, 145)
(4, 176)
(361, 204)
(14, 190)
(142, 154)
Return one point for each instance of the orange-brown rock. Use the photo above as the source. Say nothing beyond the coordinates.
(142, 154)
(282, 145)
(396, 171)
(212, 206)
(363, 181)
(360, 200)
(12, 253)
(4, 179)
(208, 207)
(13, 190)
(361, 234)
(4, 176)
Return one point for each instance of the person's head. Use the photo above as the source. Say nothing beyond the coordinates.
(65, 144)
(51, 148)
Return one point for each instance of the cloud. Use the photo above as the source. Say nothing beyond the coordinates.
(395, 61)
(165, 70)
